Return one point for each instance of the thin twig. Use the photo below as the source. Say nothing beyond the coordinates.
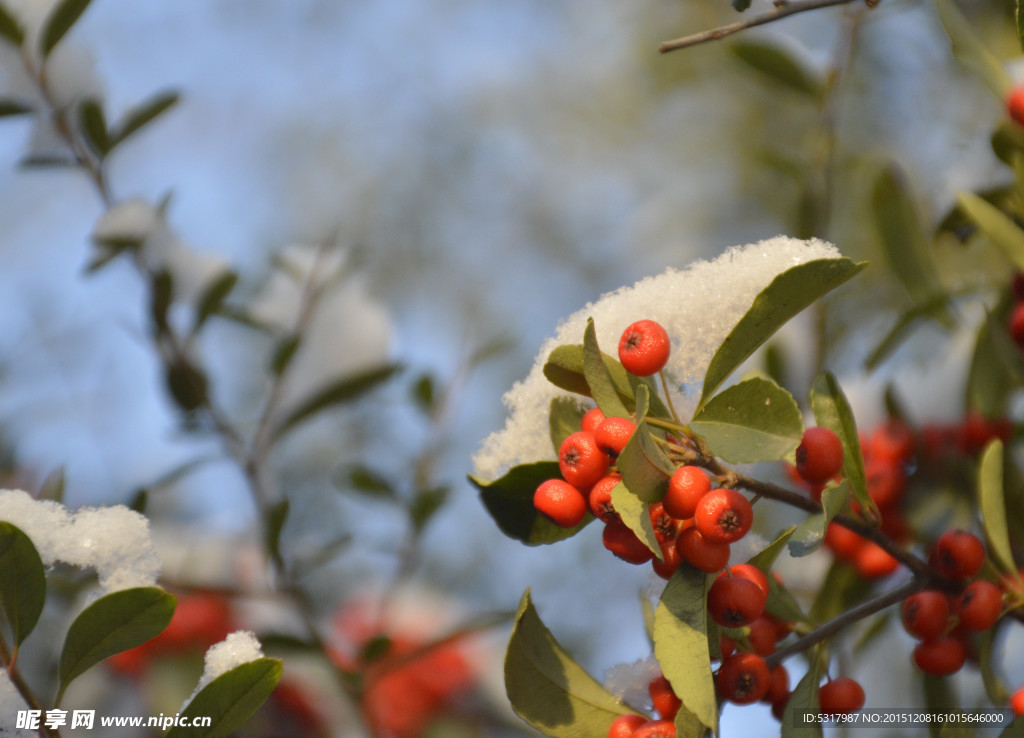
(7, 662)
(781, 11)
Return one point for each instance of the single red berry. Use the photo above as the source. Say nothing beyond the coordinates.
(843, 541)
(656, 729)
(840, 696)
(873, 562)
(670, 559)
(959, 554)
(625, 726)
(819, 457)
(686, 487)
(975, 432)
(600, 498)
(749, 572)
(581, 462)
(778, 685)
(613, 434)
(1017, 702)
(886, 481)
(980, 605)
(1016, 324)
(782, 627)
(1015, 104)
(925, 614)
(762, 636)
(644, 348)
(724, 515)
(726, 646)
(664, 698)
(561, 502)
(893, 441)
(701, 553)
(940, 656)
(779, 707)
(666, 528)
(591, 419)
(743, 678)
(734, 602)
(622, 542)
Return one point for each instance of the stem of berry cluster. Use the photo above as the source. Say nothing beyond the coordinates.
(7, 661)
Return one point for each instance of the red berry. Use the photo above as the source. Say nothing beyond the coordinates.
(959, 554)
(666, 528)
(644, 348)
(613, 434)
(892, 441)
(656, 729)
(743, 678)
(701, 553)
(940, 656)
(1017, 702)
(873, 562)
(664, 698)
(843, 541)
(925, 614)
(778, 685)
(686, 487)
(885, 481)
(779, 707)
(734, 602)
(840, 696)
(724, 516)
(762, 636)
(819, 457)
(625, 726)
(980, 605)
(600, 498)
(726, 646)
(1015, 104)
(670, 559)
(750, 572)
(561, 502)
(581, 462)
(591, 419)
(622, 542)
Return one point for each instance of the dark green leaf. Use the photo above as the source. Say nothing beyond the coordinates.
(564, 419)
(61, 19)
(754, 420)
(564, 369)
(548, 689)
(832, 410)
(993, 506)
(13, 107)
(277, 515)
(636, 517)
(338, 393)
(377, 647)
(425, 504)
(939, 697)
(140, 500)
(643, 466)
(775, 62)
(810, 534)
(970, 51)
(161, 294)
(681, 644)
(187, 385)
(1007, 143)
(933, 308)
(740, 5)
(10, 29)
(765, 558)
(284, 352)
(599, 379)
(52, 487)
(990, 380)
(23, 584)
(363, 479)
(93, 124)
(230, 699)
(996, 225)
(509, 500)
(424, 394)
(804, 699)
(788, 294)
(142, 115)
(1014, 730)
(214, 295)
(112, 624)
(782, 604)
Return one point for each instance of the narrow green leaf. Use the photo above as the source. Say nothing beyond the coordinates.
(363, 479)
(110, 625)
(990, 379)
(23, 584)
(213, 296)
(970, 51)
(810, 534)
(643, 466)
(231, 699)
(995, 224)
(276, 517)
(636, 517)
(788, 294)
(832, 410)
(10, 29)
(777, 63)
(52, 487)
(425, 503)
(548, 689)
(754, 420)
(564, 369)
(993, 506)
(139, 117)
(13, 107)
(782, 604)
(765, 558)
(338, 393)
(509, 500)
(284, 352)
(424, 394)
(1019, 18)
(599, 379)
(877, 627)
(681, 644)
(740, 5)
(93, 125)
(804, 699)
(61, 19)
(42, 161)
(564, 419)
(935, 308)
(939, 697)
(994, 687)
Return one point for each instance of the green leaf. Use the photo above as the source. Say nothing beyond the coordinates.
(214, 295)
(740, 5)
(23, 584)
(643, 466)
(934, 308)
(564, 369)
(231, 699)
(782, 604)
(509, 500)
(276, 517)
(810, 534)
(564, 419)
(993, 506)
(877, 627)
(59, 22)
(144, 114)
(52, 487)
(548, 689)
(996, 225)
(1019, 18)
(362, 478)
(755, 420)
(342, 391)
(187, 385)
(765, 558)
(10, 29)
(990, 379)
(970, 51)
(804, 699)
(425, 503)
(939, 697)
(994, 688)
(832, 410)
(775, 62)
(424, 394)
(681, 644)
(636, 517)
(599, 379)
(284, 352)
(93, 124)
(788, 294)
(112, 624)
(13, 107)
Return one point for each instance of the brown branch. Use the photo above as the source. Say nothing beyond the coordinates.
(782, 10)
(7, 662)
